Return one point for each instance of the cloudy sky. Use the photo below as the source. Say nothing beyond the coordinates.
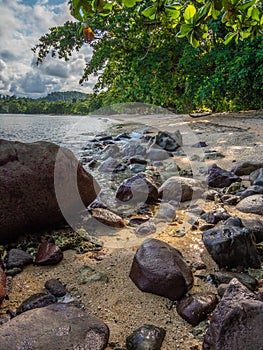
(22, 22)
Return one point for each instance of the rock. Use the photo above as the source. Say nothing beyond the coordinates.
(230, 199)
(210, 195)
(147, 337)
(205, 226)
(48, 254)
(233, 221)
(112, 151)
(136, 220)
(107, 217)
(221, 289)
(231, 246)
(224, 277)
(123, 136)
(36, 301)
(97, 204)
(146, 228)
(35, 179)
(137, 168)
(196, 307)
(246, 168)
(132, 149)
(18, 258)
(252, 204)
(211, 154)
(155, 153)
(57, 326)
(55, 287)
(3, 287)
(250, 191)
(237, 321)
(180, 189)
(159, 268)
(256, 177)
(220, 178)
(256, 227)
(138, 160)
(213, 217)
(109, 165)
(200, 144)
(138, 188)
(166, 212)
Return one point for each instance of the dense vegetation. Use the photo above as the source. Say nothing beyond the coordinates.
(69, 102)
(177, 55)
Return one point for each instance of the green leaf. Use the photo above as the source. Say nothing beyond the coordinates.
(218, 4)
(189, 12)
(193, 41)
(184, 30)
(149, 12)
(229, 37)
(129, 3)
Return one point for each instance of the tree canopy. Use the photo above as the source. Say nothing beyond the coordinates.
(145, 51)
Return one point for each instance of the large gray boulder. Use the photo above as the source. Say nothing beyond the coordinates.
(237, 321)
(252, 204)
(56, 326)
(40, 184)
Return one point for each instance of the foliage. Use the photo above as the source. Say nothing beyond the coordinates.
(139, 56)
(47, 105)
(242, 18)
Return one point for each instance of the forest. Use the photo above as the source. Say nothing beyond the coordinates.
(184, 55)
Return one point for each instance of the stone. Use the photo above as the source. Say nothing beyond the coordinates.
(36, 179)
(137, 168)
(48, 254)
(160, 269)
(180, 189)
(252, 204)
(256, 227)
(132, 149)
(210, 195)
(138, 188)
(146, 228)
(168, 141)
(256, 178)
(250, 191)
(196, 307)
(200, 144)
(233, 221)
(18, 258)
(147, 337)
(155, 153)
(224, 277)
(57, 326)
(166, 212)
(231, 246)
(56, 287)
(230, 199)
(213, 217)
(35, 301)
(236, 322)
(138, 160)
(112, 151)
(136, 220)
(246, 168)
(109, 165)
(219, 178)
(3, 287)
(107, 217)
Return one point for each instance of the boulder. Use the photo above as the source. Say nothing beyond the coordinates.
(236, 322)
(256, 227)
(224, 277)
(36, 301)
(168, 141)
(146, 228)
(246, 168)
(156, 153)
(55, 287)
(146, 337)
(3, 287)
(139, 188)
(252, 204)
(250, 191)
(29, 199)
(107, 217)
(219, 178)
(160, 269)
(180, 189)
(196, 307)
(231, 246)
(256, 178)
(57, 326)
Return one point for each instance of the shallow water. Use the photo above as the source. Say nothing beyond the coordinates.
(68, 130)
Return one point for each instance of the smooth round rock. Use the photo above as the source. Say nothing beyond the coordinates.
(252, 204)
(147, 337)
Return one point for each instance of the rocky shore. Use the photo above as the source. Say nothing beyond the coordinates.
(165, 253)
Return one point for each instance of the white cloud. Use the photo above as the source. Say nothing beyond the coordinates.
(22, 23)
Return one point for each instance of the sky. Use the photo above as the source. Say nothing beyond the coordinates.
(22, 22)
